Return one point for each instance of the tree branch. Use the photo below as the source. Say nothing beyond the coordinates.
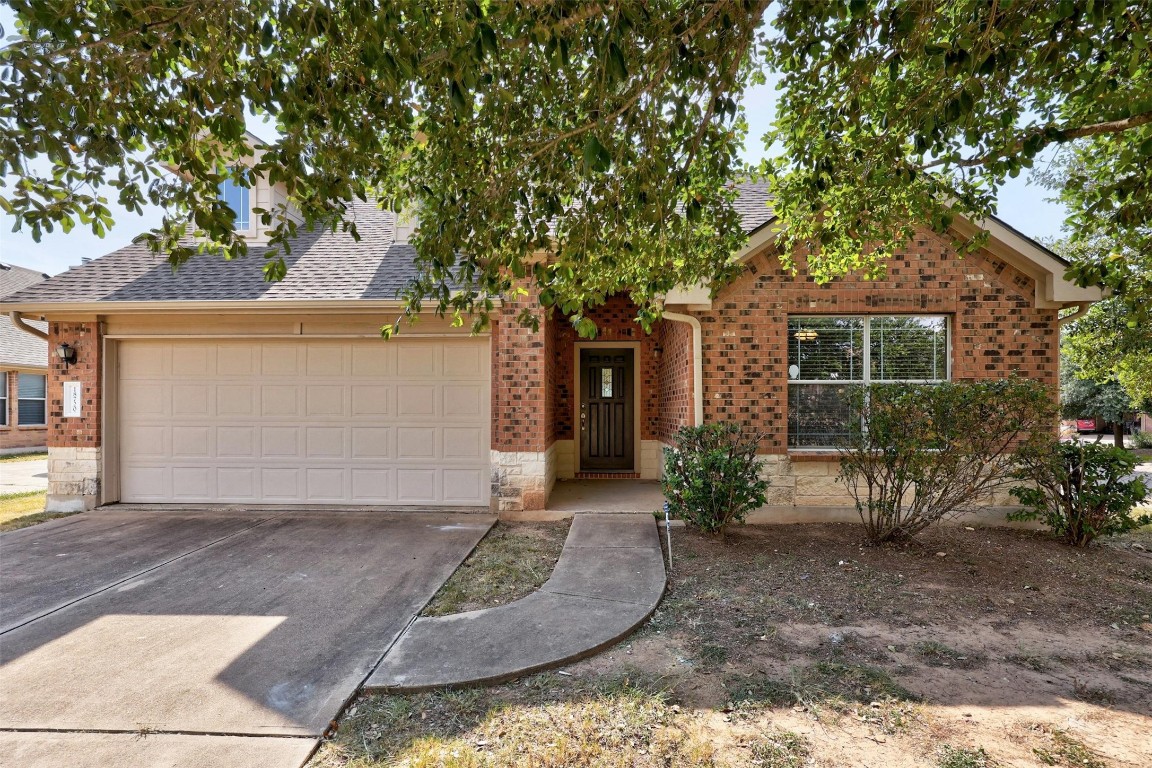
(1051, 135)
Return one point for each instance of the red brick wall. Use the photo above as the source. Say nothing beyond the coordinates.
(996, 330)
(12, 434)
(548, 326)
(616, 321)
(83, 432)
(520, 403)
(674, 376)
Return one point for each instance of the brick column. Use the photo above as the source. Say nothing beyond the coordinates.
(74, 443)
(522, 451)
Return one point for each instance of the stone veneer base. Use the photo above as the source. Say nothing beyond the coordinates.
(73, 479)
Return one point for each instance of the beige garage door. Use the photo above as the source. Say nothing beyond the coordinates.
(402, 422)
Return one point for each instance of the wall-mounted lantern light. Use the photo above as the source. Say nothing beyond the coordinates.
(657, 352)
(66, 353)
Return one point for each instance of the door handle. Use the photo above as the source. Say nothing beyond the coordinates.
(583, 417)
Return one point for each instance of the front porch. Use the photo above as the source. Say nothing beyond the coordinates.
(600, 411)
(570, 497)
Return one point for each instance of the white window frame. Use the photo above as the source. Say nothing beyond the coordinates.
(19, 399)
(4, 420)
(866, 364)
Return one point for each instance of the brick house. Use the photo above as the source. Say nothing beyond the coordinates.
(23, 371)
(212, 386)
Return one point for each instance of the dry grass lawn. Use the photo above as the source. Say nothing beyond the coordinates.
(15, 457)
(20, 510)
(791, 646)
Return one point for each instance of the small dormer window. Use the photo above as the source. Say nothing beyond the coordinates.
(236, 198)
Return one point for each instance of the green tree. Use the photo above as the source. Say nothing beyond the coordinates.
(606, 132)
(894, 113)
(1105, 348)
(1084, 397)
(1109, 343)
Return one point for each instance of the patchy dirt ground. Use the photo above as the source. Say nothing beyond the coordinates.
(797, 645)
(513, 560)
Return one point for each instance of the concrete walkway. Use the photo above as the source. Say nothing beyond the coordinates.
(608, 580)
(23, 476)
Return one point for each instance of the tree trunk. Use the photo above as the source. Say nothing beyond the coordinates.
(1118, 432)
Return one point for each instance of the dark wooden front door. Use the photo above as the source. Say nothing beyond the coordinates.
(606, 410)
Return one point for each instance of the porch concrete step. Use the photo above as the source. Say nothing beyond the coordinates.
(608, 581)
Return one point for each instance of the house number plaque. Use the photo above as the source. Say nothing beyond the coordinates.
(73, 398)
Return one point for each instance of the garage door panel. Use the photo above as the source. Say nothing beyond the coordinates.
(326, 360)
(463, 400)
(369, 361)
(371, 485)
(235, 400)
(463, 443)
(281, 400)
(281, 483)
(145, 442)
(197, 361)
(280, 360)
(144, 361)
(416, 486)
(325, 442)
(464, 362)
(146, 398)
(372, 443)
(235, 360)
(417, 360)
(324, 484)
(399, 422)
(193, 483)
(414, 400)
(236, 483)
(372, 400)
(148, 483)
(463, 485)
(324, 400)
(280, 443)
(237, 442)
(192, 442)
(191, 400)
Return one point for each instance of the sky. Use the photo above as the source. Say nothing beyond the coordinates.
(1021, 205)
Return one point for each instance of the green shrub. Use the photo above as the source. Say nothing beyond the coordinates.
(712, 476)
(1080, 490)
(926, 452)
(1142, 440)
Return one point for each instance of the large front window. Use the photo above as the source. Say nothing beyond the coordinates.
(828, 357)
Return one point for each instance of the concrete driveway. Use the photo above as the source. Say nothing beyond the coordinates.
(167, 638)
(24, 476)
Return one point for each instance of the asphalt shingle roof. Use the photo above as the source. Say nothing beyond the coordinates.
(20, 349)
(321, 266)
(753, 203)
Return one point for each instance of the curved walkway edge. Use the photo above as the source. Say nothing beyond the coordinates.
(607, 582)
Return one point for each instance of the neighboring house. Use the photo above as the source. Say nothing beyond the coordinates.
(213, 386)
(23, 372)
